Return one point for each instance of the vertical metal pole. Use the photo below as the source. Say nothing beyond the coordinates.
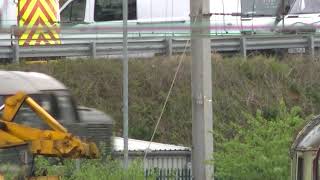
(202, 138)
(311, 48)
(243, 47)
(93, 48)
(169, 46)
(125, 82)
(16, 52)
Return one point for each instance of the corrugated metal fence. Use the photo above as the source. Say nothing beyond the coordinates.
(168, 174)
(157, 45)
(162, 164)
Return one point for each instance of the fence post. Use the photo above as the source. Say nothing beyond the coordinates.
(311, 49)
(146, 174)
(15, 52)
(243, 47)
(169, 48)
(93, 49)
(78, 164)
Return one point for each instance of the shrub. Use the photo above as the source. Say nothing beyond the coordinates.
(92, 169)
(260, 149)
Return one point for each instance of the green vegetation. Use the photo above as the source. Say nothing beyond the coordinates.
(89, 169)
(92, 169)
(239, 86)
(260, 150)
(248, 117)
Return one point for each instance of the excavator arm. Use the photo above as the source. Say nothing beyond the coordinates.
(56, 142)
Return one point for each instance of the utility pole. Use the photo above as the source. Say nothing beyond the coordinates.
(202, 137)
(125, 82)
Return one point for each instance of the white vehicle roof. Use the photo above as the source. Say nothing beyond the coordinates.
(29, 82)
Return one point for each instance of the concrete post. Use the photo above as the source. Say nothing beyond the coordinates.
(201, 82)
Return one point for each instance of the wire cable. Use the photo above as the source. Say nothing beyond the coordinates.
(167, 98)
(181, 58)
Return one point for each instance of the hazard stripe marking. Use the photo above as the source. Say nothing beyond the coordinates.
(37, 18)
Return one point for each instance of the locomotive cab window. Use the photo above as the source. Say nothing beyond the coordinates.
(256, 8)
(74, 12)
(305, 7)
(111, 10)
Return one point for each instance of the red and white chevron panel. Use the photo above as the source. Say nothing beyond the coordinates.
(38, 22)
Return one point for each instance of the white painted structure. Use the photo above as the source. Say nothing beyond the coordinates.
(8, 10)
(162, 13)
(140, 145)
(162, 156)
(303, 16)
(171, 17)
(256, 15)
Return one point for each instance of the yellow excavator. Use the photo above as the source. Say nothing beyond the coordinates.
(56, 142)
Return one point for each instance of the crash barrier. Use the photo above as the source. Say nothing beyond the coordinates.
(101, 47)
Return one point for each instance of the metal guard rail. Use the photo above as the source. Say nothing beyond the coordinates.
(167, 46)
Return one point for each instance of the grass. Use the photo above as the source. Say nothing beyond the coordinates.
(246, 96)
(238, 86)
